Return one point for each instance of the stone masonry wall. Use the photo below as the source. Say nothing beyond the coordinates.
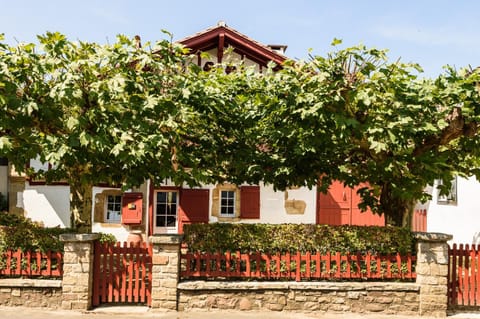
(368, 297)
(31, 293)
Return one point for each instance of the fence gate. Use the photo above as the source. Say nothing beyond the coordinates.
(122, 274)
(464, 276)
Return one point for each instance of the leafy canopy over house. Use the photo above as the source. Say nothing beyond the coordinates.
(121, 114)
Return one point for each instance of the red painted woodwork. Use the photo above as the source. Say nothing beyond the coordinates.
(339, 206)
(299, 266)
(122, 273)
(243, 45)
(32, 264)
(194, 207)
(132, 208)
(250, 202)
(464, 275)
(419, 220)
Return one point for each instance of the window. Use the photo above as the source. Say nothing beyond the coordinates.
(227, 203)
(233, 203)
(113, 209)
(450, 196)
(166, 209)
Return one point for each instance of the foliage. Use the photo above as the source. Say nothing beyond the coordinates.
(17, 232)
(95, 113)
(355, 117)
(107, 238)
(121, 114)
(292, 237)
(3, 203)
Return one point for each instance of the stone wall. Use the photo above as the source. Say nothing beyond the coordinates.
(366, 297)
(31, 293)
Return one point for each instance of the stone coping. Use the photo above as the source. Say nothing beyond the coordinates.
(36, 283)
(79, 237)
(166, 239)
(293, 285)
(433, 237)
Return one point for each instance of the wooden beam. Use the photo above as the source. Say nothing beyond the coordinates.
(221, 45)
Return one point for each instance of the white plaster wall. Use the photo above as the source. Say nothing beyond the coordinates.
(47, 204)
(232, 57)
(461, 220)
(272, 206)
(118, 230)
(4, 180)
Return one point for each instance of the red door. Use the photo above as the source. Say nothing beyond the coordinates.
(339, 206)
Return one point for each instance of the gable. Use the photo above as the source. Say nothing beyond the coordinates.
(217, 39)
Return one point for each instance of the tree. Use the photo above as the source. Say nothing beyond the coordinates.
(97, 113)
(355, 117)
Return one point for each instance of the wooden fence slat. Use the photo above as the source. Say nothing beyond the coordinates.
(297, 266)
(477, 275)
(135, 271)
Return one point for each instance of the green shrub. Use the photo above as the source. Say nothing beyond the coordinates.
(107, 238)
(17, 232)
(293, 237)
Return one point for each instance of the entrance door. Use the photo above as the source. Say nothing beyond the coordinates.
(166, 211)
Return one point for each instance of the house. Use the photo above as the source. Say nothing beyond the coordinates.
(152, 209)
(457, 213)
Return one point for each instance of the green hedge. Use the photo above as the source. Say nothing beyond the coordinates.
(292, 237)
(18, 232)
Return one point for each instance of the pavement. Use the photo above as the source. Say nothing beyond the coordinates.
(146, 313)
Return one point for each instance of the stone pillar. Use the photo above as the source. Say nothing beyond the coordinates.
(432, 272)
(77, 271)
(165, 271)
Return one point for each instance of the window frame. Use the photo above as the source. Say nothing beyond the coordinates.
(166, 227)
(106, 218)
(230, 205)
(452, 197)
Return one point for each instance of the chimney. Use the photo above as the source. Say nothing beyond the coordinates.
(278, 48)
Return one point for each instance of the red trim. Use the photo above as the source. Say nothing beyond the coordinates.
(252, 49)
(150, 209)
(221, 47)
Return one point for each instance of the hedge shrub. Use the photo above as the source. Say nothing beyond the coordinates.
(292, 237)
(18, 232)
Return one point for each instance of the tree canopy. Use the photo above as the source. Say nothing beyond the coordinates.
(121, 113)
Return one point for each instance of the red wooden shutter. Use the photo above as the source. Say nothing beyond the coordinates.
(250, 202)
(194, 207)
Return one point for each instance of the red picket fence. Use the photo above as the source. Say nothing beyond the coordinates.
(31, 264)
(297, 266)
(464, 275)
(122, 274)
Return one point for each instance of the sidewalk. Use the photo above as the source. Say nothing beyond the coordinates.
(146, 313)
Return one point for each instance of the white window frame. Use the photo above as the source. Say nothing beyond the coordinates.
(113, 216)
(230, 203)
(166, 228)
(451, 197)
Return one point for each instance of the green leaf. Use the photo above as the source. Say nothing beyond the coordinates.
(72, 122)
(5, 142)
(336, 42)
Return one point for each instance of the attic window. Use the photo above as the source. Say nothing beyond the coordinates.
(208, 66)
(451, 197)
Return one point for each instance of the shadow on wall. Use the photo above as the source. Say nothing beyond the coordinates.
(39, 209)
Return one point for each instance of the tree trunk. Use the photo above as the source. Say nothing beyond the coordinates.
(398, 211)
(81, 206)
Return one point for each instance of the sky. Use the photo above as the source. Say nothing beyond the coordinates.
(432, 33)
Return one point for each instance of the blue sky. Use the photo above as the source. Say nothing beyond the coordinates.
(431, 33)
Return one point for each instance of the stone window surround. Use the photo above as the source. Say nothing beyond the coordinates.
(216, 202)
(100, 207)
